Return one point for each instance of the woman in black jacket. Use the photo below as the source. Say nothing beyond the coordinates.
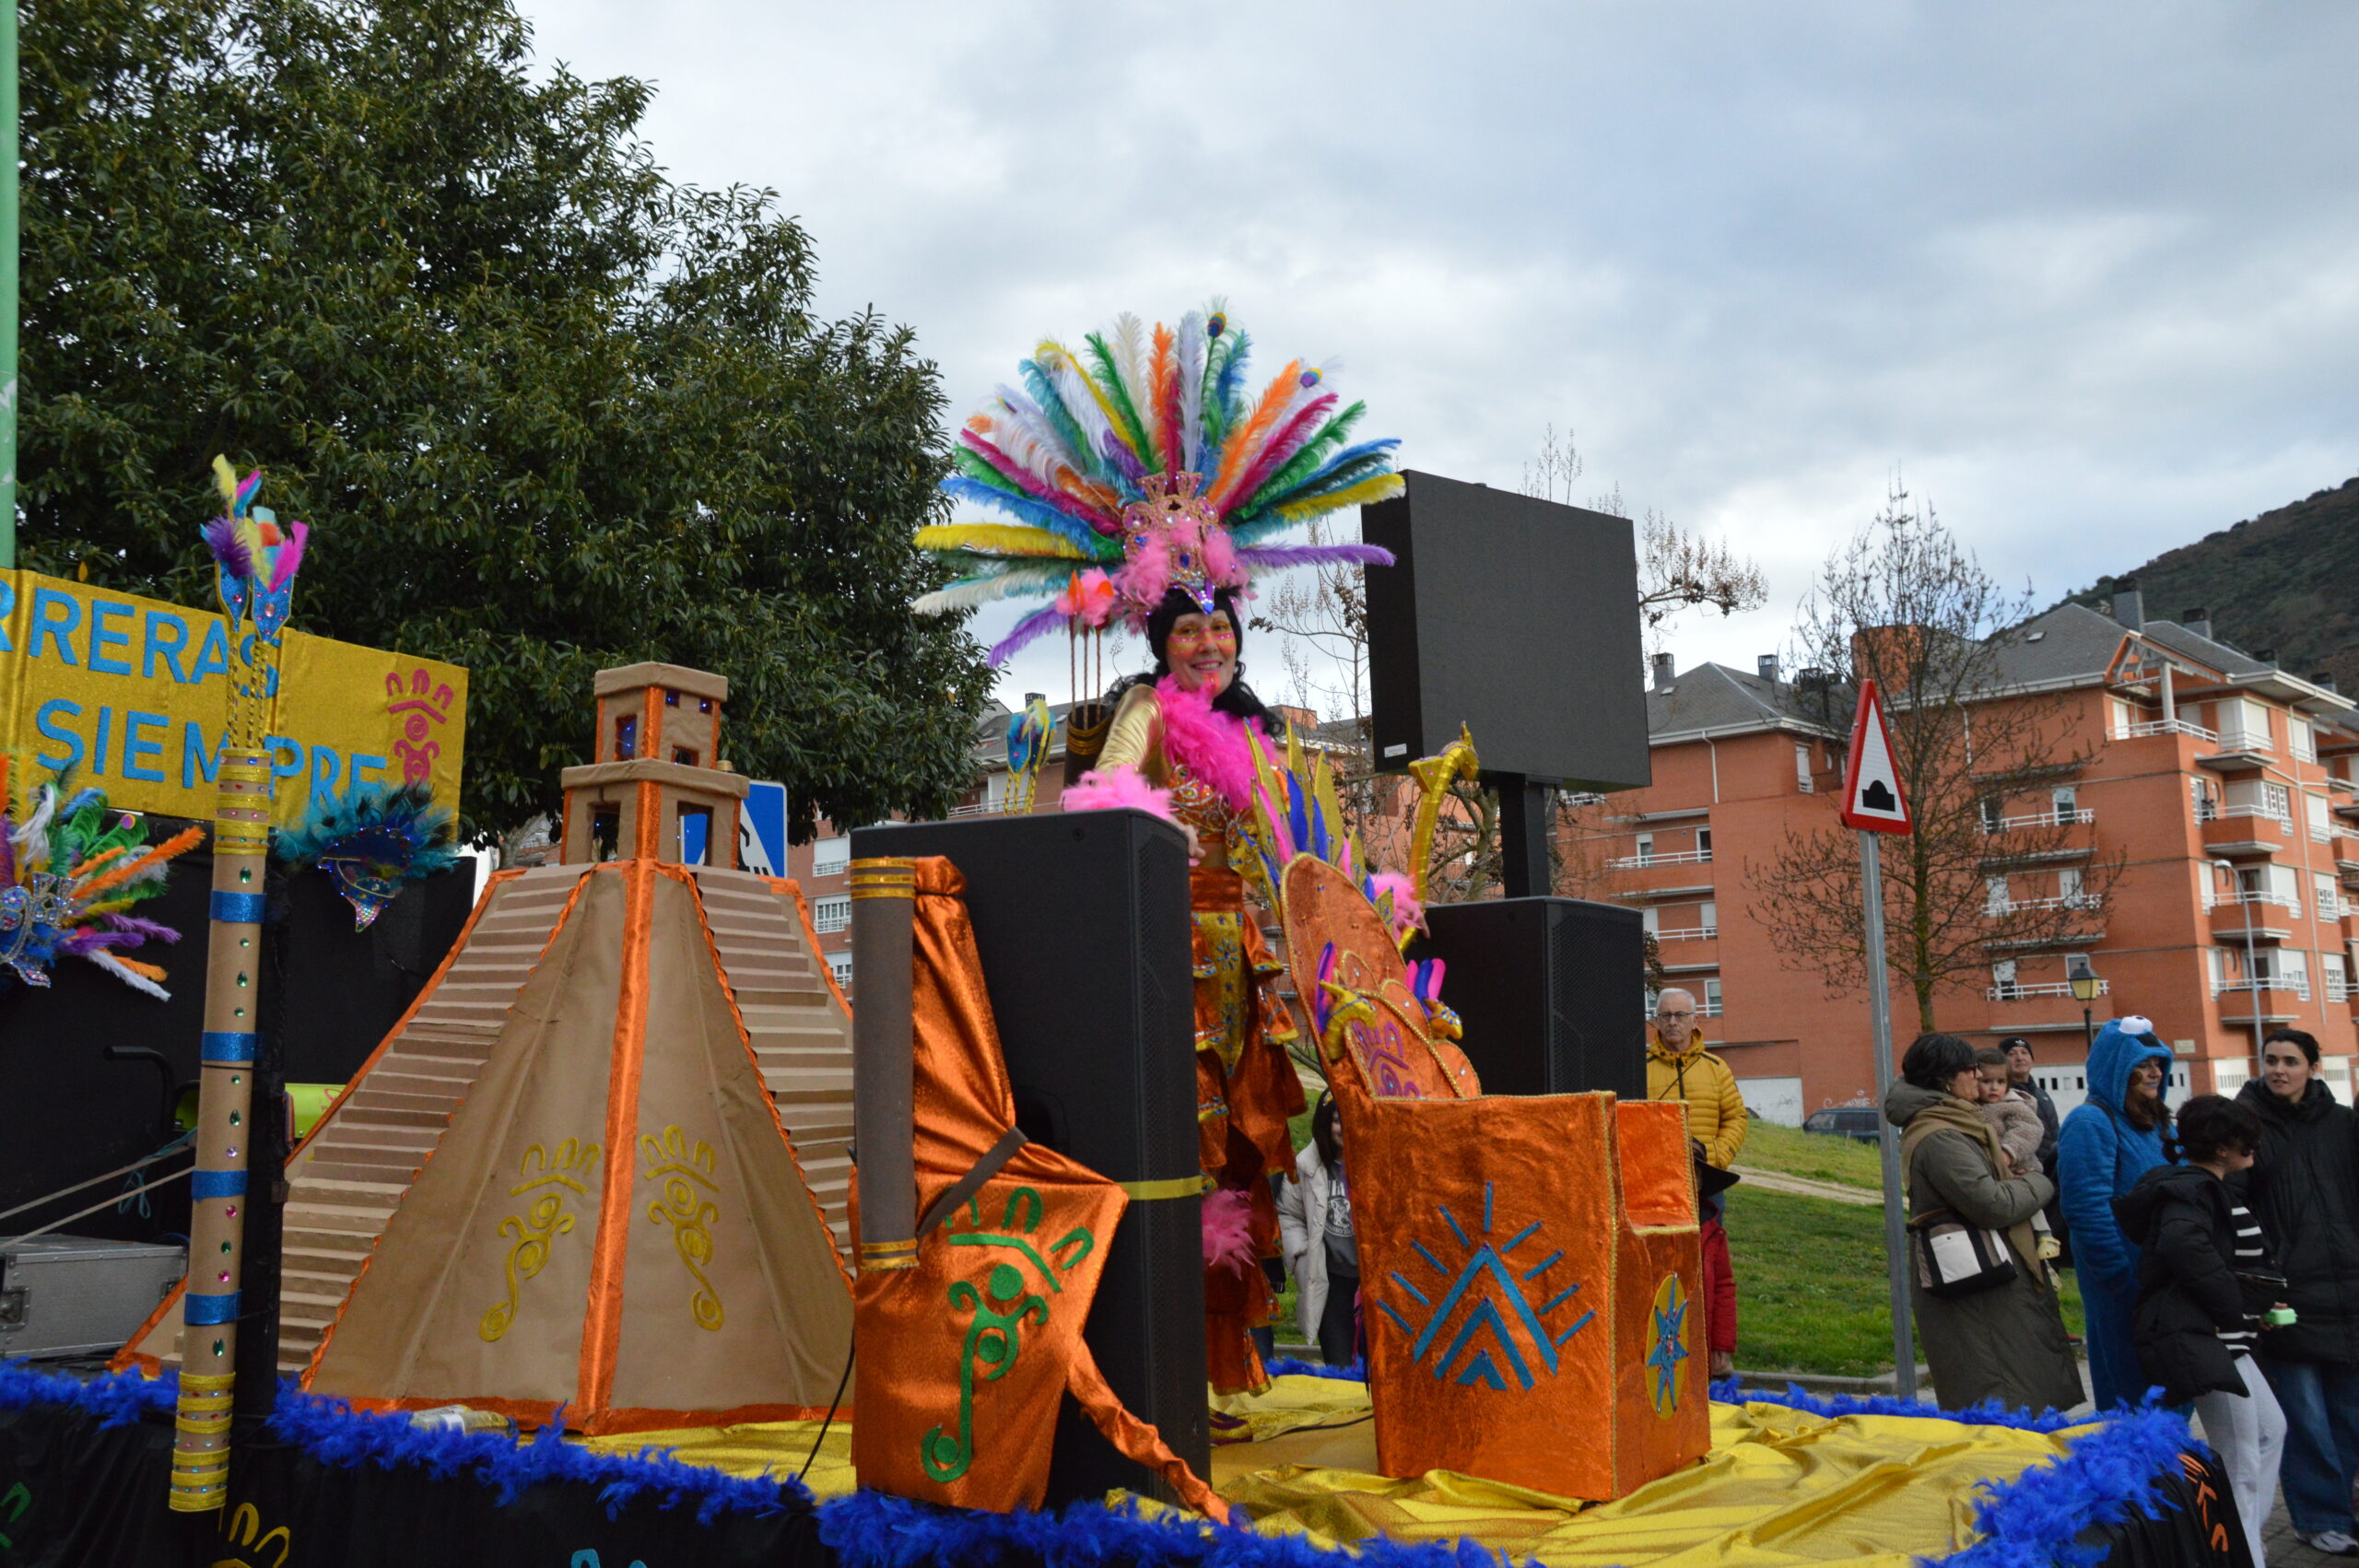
(2305, 1187)
(2196, 1321)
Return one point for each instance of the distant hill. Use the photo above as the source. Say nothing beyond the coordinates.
(2285, 583)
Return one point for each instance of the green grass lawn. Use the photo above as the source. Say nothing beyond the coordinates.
(1821, 1156)
(1810, 1282)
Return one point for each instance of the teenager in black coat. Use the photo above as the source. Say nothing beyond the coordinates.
(2202, 1287)
(2305, 1187)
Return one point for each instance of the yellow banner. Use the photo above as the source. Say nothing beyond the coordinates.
(132, 693)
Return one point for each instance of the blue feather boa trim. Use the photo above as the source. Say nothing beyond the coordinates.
(2111, 1475)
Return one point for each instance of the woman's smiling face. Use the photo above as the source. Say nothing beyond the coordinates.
(1202, 651)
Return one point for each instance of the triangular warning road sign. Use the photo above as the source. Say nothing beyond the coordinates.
(1871, 793)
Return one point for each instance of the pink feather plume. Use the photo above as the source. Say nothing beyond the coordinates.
(1111, 788)
(1228, 1230)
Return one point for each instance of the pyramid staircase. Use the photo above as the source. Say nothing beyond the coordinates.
(350, 1174)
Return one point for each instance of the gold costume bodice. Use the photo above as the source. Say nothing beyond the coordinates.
(1135, 740)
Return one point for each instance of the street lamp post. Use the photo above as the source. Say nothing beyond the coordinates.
(2252, 972)
(2081, 976)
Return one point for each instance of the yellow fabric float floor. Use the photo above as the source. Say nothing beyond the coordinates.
(1780, 1486)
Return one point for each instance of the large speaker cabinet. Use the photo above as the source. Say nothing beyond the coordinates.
(1551, 992)
(1081, 919)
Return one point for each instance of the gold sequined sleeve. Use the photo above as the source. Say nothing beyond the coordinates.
(1135, 737)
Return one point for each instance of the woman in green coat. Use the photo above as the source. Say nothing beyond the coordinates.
(2006, 1341)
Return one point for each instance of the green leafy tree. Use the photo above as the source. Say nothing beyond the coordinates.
(548, 410)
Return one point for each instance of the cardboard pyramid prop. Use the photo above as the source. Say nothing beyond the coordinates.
(355, 1169)
(614, 1221)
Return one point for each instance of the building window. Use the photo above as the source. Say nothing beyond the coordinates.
(2301, 739)
(831, 857)
(2066, 800)
(1994, 895)
(2321, 816)
(1801, 767)
(2003, 981)
(1711, 915)
(1994, 812)
(830, 915)
(2068, 887)
(1711, 1006)
(1650, 920)
(840, 965)
(1646, 848)
(1703, 842)
(2336, 977)
(2329, 900)
(2207, 801)
(626, 737)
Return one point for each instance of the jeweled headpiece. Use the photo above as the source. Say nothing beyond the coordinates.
(1141, 466)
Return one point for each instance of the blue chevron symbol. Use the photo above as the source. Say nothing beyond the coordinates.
(1500, 1334)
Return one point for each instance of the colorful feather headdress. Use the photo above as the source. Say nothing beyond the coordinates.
(372, 839)
(1142, 464)
(69, 874)
(255, 560)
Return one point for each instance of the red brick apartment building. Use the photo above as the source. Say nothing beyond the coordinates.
(2203, 755)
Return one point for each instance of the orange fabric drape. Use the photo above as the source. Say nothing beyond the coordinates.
(967, 1354)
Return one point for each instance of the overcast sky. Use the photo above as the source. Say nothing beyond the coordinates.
(2087, 276)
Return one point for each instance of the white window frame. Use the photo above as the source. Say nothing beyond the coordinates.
(1703, 845)
(1801, 768)
(2002, 978)
(2301, 738)
(839, 965)
(1995, 897)
(831, 857)
(1709, 1006)
(831, 915)
(1644, 852)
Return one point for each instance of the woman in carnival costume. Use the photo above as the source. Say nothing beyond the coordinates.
(1149, 488)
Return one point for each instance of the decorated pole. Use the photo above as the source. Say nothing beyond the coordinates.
(255, 567)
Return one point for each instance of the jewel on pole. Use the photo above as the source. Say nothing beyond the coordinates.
(254, 565)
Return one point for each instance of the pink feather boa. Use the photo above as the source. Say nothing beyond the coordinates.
(1228, 1230)
(1110, 789)
(1209, 743)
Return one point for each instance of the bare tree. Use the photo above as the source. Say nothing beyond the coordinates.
(1903, 604)
(1678, 570)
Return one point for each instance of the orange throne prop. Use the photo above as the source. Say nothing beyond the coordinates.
(1530, 1264)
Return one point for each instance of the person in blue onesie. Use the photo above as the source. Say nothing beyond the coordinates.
(2108, 1141)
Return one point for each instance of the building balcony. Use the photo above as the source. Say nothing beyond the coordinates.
(1689, 934)
(2064, 818)
(2270, 915)
(2239, 753)
(2337, 990)
(2272, 997)
(2164, 727)
(2061, 901)
(2013, 991)
(1665, 858)
(1684, 890)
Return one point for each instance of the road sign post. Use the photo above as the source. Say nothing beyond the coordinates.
(1874, 804)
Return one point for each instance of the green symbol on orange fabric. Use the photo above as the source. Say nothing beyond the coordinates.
(1002, 1307)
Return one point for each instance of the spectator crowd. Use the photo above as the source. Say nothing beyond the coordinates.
(2216, 1246)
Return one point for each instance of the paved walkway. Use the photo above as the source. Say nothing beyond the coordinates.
(1779, 1181)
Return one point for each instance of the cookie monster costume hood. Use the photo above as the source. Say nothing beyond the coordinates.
(2121, 1046)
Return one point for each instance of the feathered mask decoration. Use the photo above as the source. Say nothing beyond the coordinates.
(372, 840)
(69, 874)
(255, 560)
(1143, 464)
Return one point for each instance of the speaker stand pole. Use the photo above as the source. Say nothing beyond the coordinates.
(1896, 1221)
(1524, 836)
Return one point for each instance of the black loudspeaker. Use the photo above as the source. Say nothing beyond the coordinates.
(1080, 920)
(1553, 992)
(1516, 616)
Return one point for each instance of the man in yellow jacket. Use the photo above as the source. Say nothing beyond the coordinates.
(1679, 1068)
